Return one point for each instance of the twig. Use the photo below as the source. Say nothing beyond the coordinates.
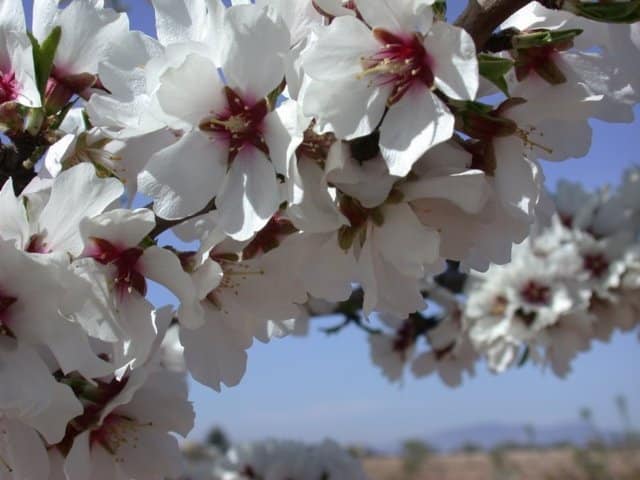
(481, 17)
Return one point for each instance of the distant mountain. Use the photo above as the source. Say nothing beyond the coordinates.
(490, 435)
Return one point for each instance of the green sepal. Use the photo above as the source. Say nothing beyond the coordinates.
(550, 72)
(346, 236)
(43, 55)
(543, 38)
(494, 69)
(440, 10)
(614, 12)
(484, 122)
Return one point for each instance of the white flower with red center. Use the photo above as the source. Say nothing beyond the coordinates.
(74, 196)
(234, 141)
(606, 73)
(17, 71)
(129, 422)
(357, 71)
(118, 267)
(88, 32)
(242, 299)
(391, 352)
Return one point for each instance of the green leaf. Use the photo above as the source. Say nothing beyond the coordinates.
(43, 55)
(494, 69)
(440, 10)
(614, 12)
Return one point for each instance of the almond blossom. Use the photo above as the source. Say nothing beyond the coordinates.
(397, 55)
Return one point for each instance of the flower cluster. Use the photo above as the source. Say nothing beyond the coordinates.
(289, 152)
(274, 460)
(573, 281)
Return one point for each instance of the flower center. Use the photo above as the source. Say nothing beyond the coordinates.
(536, 293)
(400, 63)
(234, 273)
(128, 277)
(6, 301)
(595, 263)
(37, 244)
(8, 87)
(405, 338)
(117, 431)
(240, 125)
(269, 237)
(315, 146)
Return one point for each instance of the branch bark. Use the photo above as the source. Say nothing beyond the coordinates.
(482, 17)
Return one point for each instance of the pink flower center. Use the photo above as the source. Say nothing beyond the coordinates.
(37, 245)
(117, 431)
(401, 63)
(8, 87)
(536, 293)
(240, 125)
(125, 260)
(596, 263)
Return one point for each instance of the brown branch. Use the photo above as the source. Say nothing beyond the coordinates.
(16, 160)
(162, 225)
(482, 17)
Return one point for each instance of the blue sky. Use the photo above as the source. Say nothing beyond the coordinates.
(323, 386)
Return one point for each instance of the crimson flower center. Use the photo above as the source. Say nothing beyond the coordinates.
(241, 125)
(269, 237)
(536, 293)
(400, 63)
(596, 263)
(125, 260)
(8, 86)
(405, 338)
(5, 303)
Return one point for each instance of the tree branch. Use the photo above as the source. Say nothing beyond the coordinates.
(482, 17)
(162, 225)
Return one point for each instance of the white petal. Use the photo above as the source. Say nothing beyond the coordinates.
(249, 197)
(192, 91)
(256, 68)
(349, 106)
(22, 450)
(13, 217)
(64, 407)
(454, 61)
(468, 190)
(162, 266)
(412, 126)
(339, 50)
(215, 353)
(202, 171)
(78, 462)
(77, 194)
(121, 227)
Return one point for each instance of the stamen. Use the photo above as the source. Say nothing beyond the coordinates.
(524, 135)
